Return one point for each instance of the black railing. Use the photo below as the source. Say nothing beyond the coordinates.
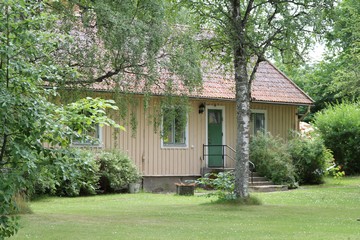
(227, 152)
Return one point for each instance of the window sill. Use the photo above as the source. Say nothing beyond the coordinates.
(173, 146)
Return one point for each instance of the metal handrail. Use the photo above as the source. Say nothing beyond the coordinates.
(224, 154)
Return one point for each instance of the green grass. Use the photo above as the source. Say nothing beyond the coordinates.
(329, 211)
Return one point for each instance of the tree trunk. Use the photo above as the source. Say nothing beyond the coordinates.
(242, 103)
(243, 122)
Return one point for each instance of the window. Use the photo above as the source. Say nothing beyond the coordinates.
(174, 129)
(92, 138)
(258, 121)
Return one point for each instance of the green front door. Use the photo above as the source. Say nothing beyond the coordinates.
(215, 149)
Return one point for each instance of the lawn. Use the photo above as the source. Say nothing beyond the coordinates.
(329, 211)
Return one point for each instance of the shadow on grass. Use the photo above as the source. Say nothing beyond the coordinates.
(249, 201)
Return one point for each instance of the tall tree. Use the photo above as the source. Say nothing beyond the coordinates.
(344, 44)
(246, 32)
(30, 125)
(129, 44)
(336, 77)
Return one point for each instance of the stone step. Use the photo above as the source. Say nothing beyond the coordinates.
(269, 188)
(260, 183)
(254, 174)
(257, 179)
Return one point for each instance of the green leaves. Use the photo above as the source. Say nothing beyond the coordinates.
(36, 133)
(339, 126)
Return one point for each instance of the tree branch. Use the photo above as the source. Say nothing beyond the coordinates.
(3, 147)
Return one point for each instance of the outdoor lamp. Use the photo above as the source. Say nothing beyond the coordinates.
(201, 108)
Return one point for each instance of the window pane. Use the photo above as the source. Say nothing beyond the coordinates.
(168, 137)
(259, 122)
(90, 138)
(174, 126)
(214, 117)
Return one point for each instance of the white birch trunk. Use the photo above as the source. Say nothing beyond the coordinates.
(243, 138)
(242, 103)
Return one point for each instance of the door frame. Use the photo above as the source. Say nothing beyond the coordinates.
(222, 108)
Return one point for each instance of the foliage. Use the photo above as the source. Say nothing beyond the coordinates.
(32, 129)
(245, 33)
(70, 172)
(272, 159)
(343, 41)
(339, 126)
(222, 182)
(136, 46)
(22, 203)
(317, 81)
(336, 172)
(335, 78)
(310, 158)
(8, 222)
(116, 171)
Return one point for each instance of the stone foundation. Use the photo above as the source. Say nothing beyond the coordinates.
(164, 184)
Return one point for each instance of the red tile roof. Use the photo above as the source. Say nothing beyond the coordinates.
(270, 86)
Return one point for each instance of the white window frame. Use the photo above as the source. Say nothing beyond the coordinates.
(252, 125)
(98, 143)
(176, 145)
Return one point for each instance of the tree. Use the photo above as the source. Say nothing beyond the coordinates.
(33, 129)
(335, 78)
(344, 44)
(317, 80)
(131, 45)
(246, 32)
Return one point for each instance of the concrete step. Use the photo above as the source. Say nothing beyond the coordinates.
(257, 179)
(260, 183)
(269, 188)
(254, 174)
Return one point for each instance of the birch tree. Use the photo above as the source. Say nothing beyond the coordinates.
(246, 32)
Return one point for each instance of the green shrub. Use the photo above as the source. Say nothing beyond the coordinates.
(117, 170)
(272, 160)
(222, 182)
(9, 224)
(310, 158)
(339, 126)
(71, 174)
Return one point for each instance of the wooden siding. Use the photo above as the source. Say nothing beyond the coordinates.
(281, 119)
(144, 145)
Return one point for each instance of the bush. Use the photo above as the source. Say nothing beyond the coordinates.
(339, 126)
(69, 174)
(117, 170)
(272, 160)
(223, 182)
(310, 158)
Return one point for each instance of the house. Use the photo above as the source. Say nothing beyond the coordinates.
(164, 159)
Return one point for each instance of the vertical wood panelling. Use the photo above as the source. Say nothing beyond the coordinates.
(152, 160)
(280, 118)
